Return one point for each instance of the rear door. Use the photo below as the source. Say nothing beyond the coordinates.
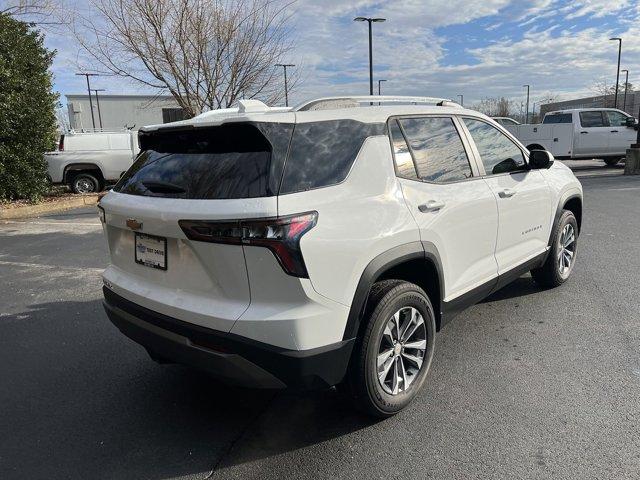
(592, 136)
(523, 196)
(454, 208)
(219, 174)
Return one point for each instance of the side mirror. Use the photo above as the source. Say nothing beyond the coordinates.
(540, 159)
(631, 122)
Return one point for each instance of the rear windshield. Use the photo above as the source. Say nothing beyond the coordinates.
(558, 118)
(245, 160)
(229, 161)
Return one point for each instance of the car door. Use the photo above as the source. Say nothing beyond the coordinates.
(621, 137)
(455, 209)
(592, 137)
(524, 199)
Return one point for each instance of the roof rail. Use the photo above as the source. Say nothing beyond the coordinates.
(329, 103)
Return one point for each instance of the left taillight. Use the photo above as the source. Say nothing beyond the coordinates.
(281, 235)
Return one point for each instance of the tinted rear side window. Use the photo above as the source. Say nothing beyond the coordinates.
(558, 118)
(228, 161)
(322, 153)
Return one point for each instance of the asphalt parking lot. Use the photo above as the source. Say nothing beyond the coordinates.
(527, 384)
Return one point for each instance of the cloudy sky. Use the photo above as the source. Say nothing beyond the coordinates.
(478, 48)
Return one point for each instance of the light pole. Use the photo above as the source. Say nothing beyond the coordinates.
(87, 75)
(96, 90)
(527, 117)
(286, 86)
(626, 85)
(379, 83)
(370, 21)
(461, 99)
(619, 40)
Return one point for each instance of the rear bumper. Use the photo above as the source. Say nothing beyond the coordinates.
(232, 358)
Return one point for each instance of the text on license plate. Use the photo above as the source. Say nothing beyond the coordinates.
(151, 251)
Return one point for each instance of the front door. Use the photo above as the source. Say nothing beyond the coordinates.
(621, 136)
(455, 209)
(523, 196)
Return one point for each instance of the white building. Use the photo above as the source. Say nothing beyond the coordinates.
(115, 112)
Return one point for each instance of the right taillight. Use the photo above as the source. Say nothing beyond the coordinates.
(281, 235)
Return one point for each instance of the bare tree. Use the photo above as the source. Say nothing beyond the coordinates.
(206, 53)
(495, 107)
(38, 12)
(608, 91)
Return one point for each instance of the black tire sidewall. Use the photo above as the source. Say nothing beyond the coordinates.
(405, 295)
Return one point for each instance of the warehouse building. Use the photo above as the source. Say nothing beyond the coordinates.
(116, 112)
(601, 101)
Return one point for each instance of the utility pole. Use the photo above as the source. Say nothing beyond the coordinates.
(96, 90)
(461, 99)
(619, 40)
(87, 75)
(286, 86)
(370, 21)
(626, 86)
(527, 117)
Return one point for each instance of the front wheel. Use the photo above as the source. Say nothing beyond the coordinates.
(610, 162)
(392, 358)
(562, 256)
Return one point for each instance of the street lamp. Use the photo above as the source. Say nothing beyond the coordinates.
(379, 82)
(370, 21)
(96, 90)
(619, 40)
(626, 85)
(461, 99)
(527, 117)
(286, 87)
(87, 75)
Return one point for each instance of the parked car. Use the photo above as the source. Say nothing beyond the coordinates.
(581, 133)
(506, 121)
(88, 161)
(327, 246)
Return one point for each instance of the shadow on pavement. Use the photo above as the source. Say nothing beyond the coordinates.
(80, 400)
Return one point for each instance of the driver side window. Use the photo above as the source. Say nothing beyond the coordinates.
(498, 153)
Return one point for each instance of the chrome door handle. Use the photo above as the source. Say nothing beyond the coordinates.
(431, 206)
(507, 193)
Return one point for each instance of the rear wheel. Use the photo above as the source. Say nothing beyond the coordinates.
(610, 162)
(392, 357)
(85, 183)
(562, 256)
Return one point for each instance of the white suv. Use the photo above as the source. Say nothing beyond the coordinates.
(327, 245)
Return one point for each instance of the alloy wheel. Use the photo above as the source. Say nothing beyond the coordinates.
(567, 249)
(402, 349)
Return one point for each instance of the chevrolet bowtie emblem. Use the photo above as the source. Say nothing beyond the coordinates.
(133, 224)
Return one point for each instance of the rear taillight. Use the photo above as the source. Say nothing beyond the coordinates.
(61, 143)
(281, 235)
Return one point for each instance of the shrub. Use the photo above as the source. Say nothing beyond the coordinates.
(27, 110)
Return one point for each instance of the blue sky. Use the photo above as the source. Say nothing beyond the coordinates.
(478, 48)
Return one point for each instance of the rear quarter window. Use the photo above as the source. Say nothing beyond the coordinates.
(558, 118)
(322, 153)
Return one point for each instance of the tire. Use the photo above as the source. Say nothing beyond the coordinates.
(554, 273)
(610, 162)
(386, 397)
(85, 183)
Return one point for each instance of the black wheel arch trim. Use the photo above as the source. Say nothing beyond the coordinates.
(378, 266)
(559, 210)
(81, 167)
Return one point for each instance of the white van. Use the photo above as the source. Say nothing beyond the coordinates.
(88, 161)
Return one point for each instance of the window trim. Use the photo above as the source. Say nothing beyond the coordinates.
(476, 152)
(475, 172)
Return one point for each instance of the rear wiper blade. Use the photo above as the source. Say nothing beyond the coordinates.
(163, 187)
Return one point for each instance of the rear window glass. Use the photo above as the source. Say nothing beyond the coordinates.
(228, 161)
(558, 118)
(322, 153)
(591, 119)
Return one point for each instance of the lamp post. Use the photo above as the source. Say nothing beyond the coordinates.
(527, 117)
(379, 83)
(87, 75)
(619, 40)
(461, 99)
(370, 21)
(626, 85)
(286, 86)
(96, 90)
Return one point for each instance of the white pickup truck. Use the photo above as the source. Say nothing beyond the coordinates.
(581, 133)
(87, 161)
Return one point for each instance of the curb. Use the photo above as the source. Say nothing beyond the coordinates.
(49, 207)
